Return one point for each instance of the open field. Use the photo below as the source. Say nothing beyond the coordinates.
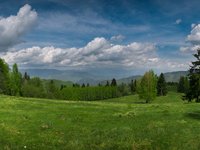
(121, 123)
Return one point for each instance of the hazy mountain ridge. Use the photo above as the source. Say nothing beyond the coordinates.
(81, 77)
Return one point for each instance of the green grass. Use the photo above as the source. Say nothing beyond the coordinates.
(121, 123)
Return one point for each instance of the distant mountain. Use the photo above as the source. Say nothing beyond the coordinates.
(65, 75)
(169, 77)
(81, 77)
(175, 76)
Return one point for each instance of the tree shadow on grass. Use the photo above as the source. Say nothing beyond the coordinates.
(193, 115)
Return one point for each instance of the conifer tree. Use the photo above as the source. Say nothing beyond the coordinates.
(83, 85)
(194, 80)
(107, 83)
(133, 86)
(161, 85)
(183, 85)
(114, 82)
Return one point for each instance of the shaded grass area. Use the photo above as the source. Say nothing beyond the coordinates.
(121, 123)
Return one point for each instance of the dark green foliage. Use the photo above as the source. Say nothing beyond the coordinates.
(133, 86)
(76, 85)
(124, 89)
(161, 85)
(114, 82)
(193, 91)
(172, 86)
(26, 76)
(51, 90)
(4, 77)
(62, 86)
(33, 88)
(88, 93)
(107, 83)
(183, 85)
(83, 85)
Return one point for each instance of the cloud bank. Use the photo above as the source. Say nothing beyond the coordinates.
(98, 52)
(13, 28)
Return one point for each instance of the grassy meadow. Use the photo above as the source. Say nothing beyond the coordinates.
(121, 123)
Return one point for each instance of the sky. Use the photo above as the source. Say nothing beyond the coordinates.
(118, 37)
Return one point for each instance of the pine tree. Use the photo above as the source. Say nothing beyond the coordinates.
(161, 85)
(114, 82)
(83, 85)
(26, 76)
(194, 80)
(183, 85)
(107, 83)
(133, 86)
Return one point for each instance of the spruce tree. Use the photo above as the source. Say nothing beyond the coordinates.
(133, 85)
(194, 80)
(114, 82)
(107, 83)
(183, 85)
(83, 85)
(161, 85)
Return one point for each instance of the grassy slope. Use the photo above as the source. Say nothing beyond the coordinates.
(122, 123)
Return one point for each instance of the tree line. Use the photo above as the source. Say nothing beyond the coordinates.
(12, 82)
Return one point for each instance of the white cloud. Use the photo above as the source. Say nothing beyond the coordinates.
(194, 40)
(178, 21)
(193, 25)
(117, 38)
(192, 48)
(98, 52)
(194, 36)
(13, 27)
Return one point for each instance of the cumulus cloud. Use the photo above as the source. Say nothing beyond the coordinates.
(98, 52)
(193, 39)
(194, 36)
(13, 27)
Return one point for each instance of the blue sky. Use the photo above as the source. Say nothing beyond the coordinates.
(130, 36)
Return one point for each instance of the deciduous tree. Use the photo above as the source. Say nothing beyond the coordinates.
(147, 89)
